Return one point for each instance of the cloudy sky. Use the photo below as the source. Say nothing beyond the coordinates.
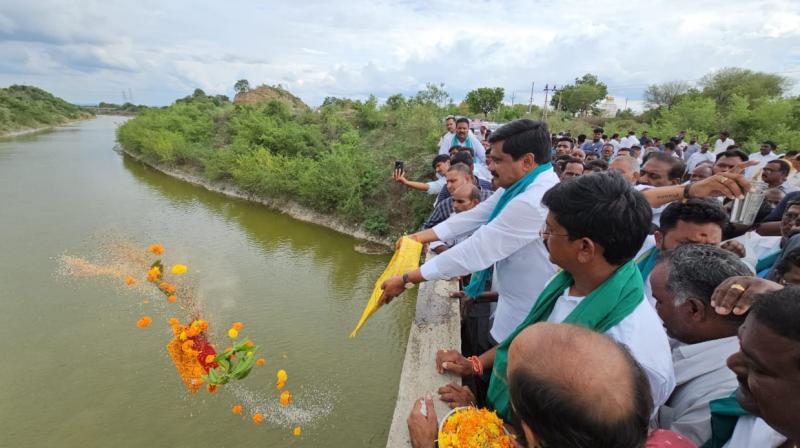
(88, 51)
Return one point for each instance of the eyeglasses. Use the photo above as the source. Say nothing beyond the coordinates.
(545, 230)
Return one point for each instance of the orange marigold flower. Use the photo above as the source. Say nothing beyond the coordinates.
(163, 285)
(192, 332)
(286, 397)
(211, 388)
(170, 289)
(203, 325)
(210, 359)
(237, 409)
(156, 249)
(187, 345)
(237, 326)
(172, 299)
(260, 361)
(233, 333)
(248, 344)
(144, 322)
(179, 269)
(130, 280)
(297, 431)
(173, 321)
(153, 274)
(258, 418)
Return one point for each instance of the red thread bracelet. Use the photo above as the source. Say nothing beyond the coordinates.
(477, 366)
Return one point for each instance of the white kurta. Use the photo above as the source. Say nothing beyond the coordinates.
(510, 242)
(752, 432)
(701, 375)
(643, 333)
(477, 147)
(762, 161)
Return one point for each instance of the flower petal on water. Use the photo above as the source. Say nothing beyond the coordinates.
(233, 333)
(129, 280)
(297, 431)
(237, 409)
(179, 269)
(156, 249)
(258, 418)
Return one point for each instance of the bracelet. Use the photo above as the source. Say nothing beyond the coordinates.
(477, 366)
(686, 191)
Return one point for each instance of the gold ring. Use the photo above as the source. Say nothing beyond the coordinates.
(737, 287)
(722, 179)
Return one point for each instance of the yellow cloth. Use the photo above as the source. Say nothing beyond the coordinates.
(405, 259)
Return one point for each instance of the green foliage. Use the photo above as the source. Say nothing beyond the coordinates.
(241, 85)
(666, 94)
(580, 97)
(31, 107)
(484, 99)
(723, 84)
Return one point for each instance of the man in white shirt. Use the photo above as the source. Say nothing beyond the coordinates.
(630, 140)
(463, 137)
(699, 156)
(594, 227)
(766, 154)
(510, 240)
(723, 142)
(450, 125)
(768, 372)
(683, 282)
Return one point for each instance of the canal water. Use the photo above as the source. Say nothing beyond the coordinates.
(77, 372)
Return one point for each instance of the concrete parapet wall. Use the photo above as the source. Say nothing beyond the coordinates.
(436, 326)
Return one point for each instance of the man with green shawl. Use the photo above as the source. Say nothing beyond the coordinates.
(594, 227)
(504, 230)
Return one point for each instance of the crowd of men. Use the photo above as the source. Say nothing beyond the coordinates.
(607, 298)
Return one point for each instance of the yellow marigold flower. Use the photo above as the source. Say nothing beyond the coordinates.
(260, 361)
(179, 269)
(297, 431)
(237, 409)
(249, 354)
(282, 376)
(156, 249)
(172, 299)
(183, 336)
(210, 359)
(144, 322)
(258, 418)
(233, 333)
(286, 397)
(130, 280)
(279, 384)
(237, 326)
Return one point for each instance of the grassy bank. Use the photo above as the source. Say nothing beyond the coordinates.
(28, 107)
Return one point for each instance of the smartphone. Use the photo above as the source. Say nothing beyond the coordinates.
(398, 165)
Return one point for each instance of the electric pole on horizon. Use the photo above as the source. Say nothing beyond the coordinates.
(530, 104)
(547, 90)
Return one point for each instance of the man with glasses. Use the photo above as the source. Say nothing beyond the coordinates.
(594, 227)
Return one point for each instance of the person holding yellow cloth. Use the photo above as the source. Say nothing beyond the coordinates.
(594, 227)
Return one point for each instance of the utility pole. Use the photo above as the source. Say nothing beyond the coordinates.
(547, 90)
(559, 102)
(530, 104)
(513, 93)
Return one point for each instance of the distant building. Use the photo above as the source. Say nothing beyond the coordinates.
(608, 107)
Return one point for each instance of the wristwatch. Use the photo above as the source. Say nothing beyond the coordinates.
(407, 284)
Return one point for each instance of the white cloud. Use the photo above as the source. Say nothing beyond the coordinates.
(91, 50)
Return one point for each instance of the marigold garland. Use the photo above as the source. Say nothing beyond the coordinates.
(474, 428)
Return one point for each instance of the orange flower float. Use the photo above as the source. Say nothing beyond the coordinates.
(297, 431)
(156, 249)
(129, 280)
(144, 322)
(237, 409)
(258, 418)
(285, 398)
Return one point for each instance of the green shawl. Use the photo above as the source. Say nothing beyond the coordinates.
(603, 308)
(725, 413)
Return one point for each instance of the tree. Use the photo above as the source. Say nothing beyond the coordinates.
(433, 94)
(723, 84)
(666, 94)
(395, 102)
(484, 99)
(241, 85)
(581, 97)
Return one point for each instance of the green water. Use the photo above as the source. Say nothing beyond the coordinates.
(77, 372)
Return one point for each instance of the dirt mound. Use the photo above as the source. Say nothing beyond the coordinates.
(264, 93)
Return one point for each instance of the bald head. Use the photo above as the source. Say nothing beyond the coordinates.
(566, 376)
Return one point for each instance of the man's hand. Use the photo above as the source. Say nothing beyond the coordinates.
(734, 247)
(452, 361)
(455, 395)
(392, 287)
(399, 177)
(737, 294)
(423, 427)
